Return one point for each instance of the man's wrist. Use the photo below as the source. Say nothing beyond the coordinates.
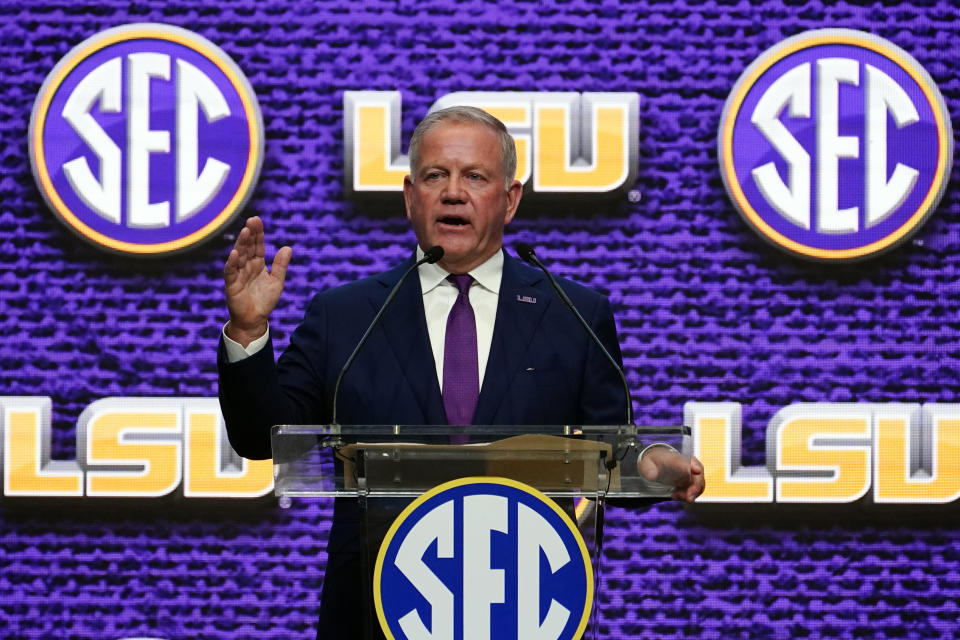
(235, 352)
(245, 335)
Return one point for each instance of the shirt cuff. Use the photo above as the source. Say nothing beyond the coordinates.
(655, 445)
(237, 352)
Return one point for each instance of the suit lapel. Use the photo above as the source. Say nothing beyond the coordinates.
(406, 330)
(520, 309)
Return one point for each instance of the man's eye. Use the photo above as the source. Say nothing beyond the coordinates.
(433, 175)
(475, 176)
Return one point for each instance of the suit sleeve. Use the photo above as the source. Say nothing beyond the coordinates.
(256, 393)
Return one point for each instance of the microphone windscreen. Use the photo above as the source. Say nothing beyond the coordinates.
(433, 254)
(525, 252)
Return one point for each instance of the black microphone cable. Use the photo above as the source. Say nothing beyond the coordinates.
(527, 254)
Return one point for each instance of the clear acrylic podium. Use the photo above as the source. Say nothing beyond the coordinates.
(580, 467)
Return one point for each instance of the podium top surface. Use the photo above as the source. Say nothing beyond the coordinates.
(398, 460)
(482, 430)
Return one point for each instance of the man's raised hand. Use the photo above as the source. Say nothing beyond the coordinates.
(252, 291)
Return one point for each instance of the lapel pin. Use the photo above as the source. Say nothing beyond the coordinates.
(527, 299)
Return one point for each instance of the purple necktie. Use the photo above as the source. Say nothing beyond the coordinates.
(461, 377)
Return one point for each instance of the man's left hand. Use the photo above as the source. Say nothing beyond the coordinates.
(667, 466)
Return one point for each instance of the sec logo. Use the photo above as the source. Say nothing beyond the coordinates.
(835, 145)
(483, 558)
(146, 139)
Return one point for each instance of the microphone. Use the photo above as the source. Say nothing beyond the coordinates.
(430, 256)
(526, 254)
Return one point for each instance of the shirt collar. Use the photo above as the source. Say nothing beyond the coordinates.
(488, 275)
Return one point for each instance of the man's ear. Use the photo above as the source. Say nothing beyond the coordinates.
(514, 193)
(407, 193)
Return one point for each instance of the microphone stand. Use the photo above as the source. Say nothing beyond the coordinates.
(431, 255)
(527, 254)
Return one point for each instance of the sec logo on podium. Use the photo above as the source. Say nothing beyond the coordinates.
(835, 145)
(482, 559)
(146, 139)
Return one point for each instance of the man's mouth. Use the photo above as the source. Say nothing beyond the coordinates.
(453, 220)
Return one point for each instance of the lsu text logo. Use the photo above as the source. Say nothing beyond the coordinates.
(146, 139)
(482, 559)
(835, 145)
(566, 142)
(833, 453)
(127, 448)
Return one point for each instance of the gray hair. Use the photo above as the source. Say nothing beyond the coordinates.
(467, 115)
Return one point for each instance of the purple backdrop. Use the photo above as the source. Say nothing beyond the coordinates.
(706, 311)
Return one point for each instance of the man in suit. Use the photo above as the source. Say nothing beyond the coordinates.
(477, 338)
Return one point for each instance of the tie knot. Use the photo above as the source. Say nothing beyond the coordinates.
(461, 282)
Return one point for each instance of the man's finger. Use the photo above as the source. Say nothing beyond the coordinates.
(248, 250)
(232, 265)
(697, 481)
(696, 466)
(255, 224)
(242, 239)
(259, 247)
(686, 494)
(280, 263)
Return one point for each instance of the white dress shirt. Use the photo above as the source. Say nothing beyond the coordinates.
(438, 297)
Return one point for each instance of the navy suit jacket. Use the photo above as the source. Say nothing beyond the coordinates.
(542, 368)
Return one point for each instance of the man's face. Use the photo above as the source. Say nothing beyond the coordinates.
(457, 198)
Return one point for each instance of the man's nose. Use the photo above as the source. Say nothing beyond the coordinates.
(453, 192)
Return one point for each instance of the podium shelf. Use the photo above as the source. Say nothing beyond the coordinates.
(373, 461)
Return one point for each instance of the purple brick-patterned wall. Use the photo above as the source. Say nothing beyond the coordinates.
(706, 312)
